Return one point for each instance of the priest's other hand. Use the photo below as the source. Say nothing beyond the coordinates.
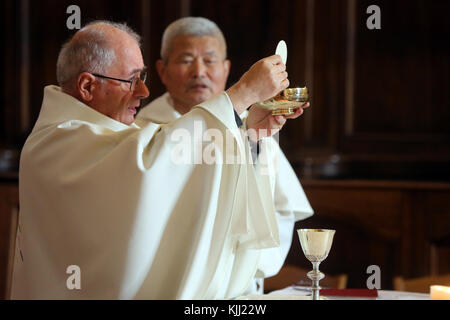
(261, 123)
(264, 80)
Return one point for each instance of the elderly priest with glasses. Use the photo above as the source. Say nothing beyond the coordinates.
(108, 210)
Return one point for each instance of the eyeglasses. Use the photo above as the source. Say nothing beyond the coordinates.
(133, 82)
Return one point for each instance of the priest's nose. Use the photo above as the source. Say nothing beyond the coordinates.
(198, 68)
(141, 90)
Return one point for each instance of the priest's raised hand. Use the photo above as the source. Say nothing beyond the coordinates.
(263, 80)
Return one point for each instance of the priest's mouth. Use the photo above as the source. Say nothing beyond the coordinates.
(133, 109)
(199, 87)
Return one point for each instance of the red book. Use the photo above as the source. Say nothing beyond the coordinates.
(369, 293)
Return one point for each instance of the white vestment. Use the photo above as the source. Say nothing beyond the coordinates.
(291, 203)
(105, 213)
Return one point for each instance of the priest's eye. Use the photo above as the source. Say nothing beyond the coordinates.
(186, 61)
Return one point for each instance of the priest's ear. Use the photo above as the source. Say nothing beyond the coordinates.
(85, 86)
(226, 66)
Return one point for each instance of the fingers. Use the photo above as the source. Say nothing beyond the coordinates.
(280, 120)
(279, 71)
(275, 65)
(298, 112)
(274, 59)
(280, 76)
(284, 84)
(265, 79)
(276, 123)
(277, 68)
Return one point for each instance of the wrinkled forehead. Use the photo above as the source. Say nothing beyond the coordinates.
(197, 45)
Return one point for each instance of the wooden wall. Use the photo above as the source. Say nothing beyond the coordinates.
(378, 96)
(402, 227)
(380, 106)
(9, 208)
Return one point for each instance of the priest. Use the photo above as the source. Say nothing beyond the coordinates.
(194, 67)
(106, 211)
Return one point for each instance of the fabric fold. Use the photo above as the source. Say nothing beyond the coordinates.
(109, 199)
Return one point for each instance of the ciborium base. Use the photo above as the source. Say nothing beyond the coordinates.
(283, 112)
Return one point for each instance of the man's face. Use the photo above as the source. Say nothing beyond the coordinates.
(114, 98)
(195, 71)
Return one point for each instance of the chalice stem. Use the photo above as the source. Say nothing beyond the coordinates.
(315, 276)
(315, 290)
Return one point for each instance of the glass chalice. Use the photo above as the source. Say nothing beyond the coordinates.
(316, 244)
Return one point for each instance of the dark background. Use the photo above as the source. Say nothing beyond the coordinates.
(372, 151)
(380, 98)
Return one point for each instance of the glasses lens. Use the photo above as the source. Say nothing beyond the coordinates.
(135, 83)
(143, 76)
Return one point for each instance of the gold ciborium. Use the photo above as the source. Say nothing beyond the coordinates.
(316, 244)
(286, 101)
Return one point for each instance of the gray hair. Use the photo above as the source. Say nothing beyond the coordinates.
(92, 53)
(190, 26)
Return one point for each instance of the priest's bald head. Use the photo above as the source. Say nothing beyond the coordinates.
(193, 65)
(102, 66)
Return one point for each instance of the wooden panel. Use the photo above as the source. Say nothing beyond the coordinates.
(40, 26)
(401, 134)
(11, 99)
(367, 223)
(389, 224)
(440, 258)
(396, 47)
(357, 205)
(436, 205)
(350, 131)
(9, 202)
(408, 105)
(437, 231)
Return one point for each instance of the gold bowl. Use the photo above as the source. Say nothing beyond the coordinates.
(286, 101)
